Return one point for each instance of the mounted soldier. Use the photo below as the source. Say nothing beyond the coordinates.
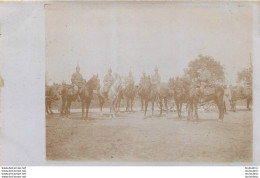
(77, 81)
(130, 79)
(156, 80)
(108, 81)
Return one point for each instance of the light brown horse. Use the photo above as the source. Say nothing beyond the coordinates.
(112, 96)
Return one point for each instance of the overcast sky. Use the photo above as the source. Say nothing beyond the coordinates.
(140, 36)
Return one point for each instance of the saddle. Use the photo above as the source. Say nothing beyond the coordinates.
(208, 90)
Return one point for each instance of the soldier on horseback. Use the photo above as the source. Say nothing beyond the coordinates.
(143, 78)
(77, 81)
(156, 80)
(108, 81)
(129, 79)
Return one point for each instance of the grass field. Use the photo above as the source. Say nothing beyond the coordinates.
(131, 137)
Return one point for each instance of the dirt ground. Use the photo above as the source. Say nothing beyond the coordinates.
(131, 137)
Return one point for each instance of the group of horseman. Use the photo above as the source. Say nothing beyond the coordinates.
(78, 81)
(202, 83)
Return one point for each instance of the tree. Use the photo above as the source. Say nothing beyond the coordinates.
(245, 76)
(215, 69)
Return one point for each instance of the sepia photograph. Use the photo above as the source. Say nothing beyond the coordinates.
(149, 82)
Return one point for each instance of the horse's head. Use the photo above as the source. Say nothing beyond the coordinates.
(94, 82)
(54, 91)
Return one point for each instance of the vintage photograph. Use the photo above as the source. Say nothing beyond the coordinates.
(149, 82)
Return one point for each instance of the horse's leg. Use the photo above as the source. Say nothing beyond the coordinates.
(222, 109)
(152, 107)
(87, 108)
(145, 107)
(66, 108)
(142, 103)
(83, 108)
(100, 104)
(166, 104)
(192, 107)
(63, 109)
(112, 109)
(132, 101)
(50, 108)
(161, 106)
(118, 104)
(225, 107)
(196, 110)
(178, 109)
(189, 110)
(127, 104)
(69, 106)
(46, 107)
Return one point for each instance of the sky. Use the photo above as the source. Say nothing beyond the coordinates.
(139, 36)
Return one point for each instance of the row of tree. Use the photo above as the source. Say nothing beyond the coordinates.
(215, 71)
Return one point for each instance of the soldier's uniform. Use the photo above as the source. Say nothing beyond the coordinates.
(77, 79)
(108, 81)
(77, 82)
(156, 80)
(142, 79)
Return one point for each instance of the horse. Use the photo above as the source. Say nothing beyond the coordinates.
(240, 93)
(165, 94)
(130, 92)
(86, 94)
(112, 96)
(51, 94)
(217, 96)
(120, 97)
(150, 94)
(68, 94)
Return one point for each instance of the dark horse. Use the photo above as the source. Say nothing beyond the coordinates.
(130, 92)
(187, 92)
(217, 96)
(86, 94)
(68, 94)
(179, 95)
(51, 94)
